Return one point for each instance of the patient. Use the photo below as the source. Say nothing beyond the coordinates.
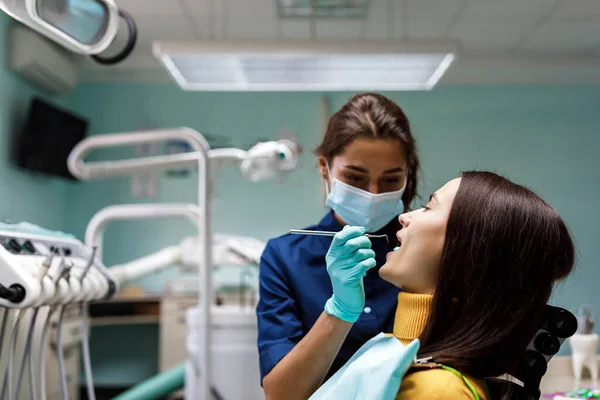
(476, 265)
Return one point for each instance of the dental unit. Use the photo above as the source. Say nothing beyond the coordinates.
(44, 272)
(47, 277)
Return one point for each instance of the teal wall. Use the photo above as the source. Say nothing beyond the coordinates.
(25, 196)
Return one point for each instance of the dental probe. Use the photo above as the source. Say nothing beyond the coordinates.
(327, 233)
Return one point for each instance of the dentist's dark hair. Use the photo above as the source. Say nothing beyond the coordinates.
(505, 247)
(371, 115)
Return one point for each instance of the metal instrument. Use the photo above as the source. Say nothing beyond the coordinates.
(328, 233)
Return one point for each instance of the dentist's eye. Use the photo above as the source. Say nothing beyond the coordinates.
(353, 178)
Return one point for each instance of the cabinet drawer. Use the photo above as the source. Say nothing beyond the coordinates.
(177, 304)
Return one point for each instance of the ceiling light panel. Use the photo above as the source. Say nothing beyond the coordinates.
(254, 68)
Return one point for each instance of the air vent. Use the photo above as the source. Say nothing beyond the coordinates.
(40, 61)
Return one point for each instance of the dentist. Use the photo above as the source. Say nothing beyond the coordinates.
(321, 300)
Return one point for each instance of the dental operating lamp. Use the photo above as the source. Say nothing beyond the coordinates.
(264, 160)
(86, 27)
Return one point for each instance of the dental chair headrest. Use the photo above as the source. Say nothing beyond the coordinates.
(557, 325)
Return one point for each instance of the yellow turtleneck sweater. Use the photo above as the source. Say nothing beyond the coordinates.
(427, 383)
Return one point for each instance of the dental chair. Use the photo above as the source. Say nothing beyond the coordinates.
(557, 325)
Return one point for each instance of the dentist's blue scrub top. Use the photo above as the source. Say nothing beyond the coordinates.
(294, 286)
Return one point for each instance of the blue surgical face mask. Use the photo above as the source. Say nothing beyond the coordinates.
(361, 208)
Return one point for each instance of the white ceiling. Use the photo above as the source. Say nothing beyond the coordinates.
(500, 40)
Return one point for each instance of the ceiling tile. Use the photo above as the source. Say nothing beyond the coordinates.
(565, 36)
(152, 7)
(579, 9)
(376, 24)
(490, 35)
(245, 28)
(424, 18)
(165, 28)
(376, 31)
(430, 9)
(426, 29)
(294, 29)
(207, 16)
(204, 8)
(211, 28)
(492, 9)
(339, 29)
(249, 8)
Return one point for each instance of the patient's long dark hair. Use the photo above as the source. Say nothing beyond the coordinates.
(504, 249)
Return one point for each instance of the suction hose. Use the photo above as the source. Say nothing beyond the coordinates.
(157, 387)
(161, 385)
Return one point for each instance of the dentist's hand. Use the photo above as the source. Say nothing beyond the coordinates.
(348, 259)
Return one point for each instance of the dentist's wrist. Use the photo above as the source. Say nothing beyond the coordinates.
(338, 309)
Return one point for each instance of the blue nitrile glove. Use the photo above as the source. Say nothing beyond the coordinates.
(348, 260)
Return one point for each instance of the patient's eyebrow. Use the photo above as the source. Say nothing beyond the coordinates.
(434, 198)
(394, 170)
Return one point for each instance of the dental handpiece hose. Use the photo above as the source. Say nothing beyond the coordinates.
(42, 354)
(4, 323)
(42, 272)
(61, 356)
(15, 293)
(7, 379)
(55, 274)
(24, 354)
(3, 330)
(85, 344)
(59, 349)
(30, 373)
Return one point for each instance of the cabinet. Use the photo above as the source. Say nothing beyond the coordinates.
(173, 330)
